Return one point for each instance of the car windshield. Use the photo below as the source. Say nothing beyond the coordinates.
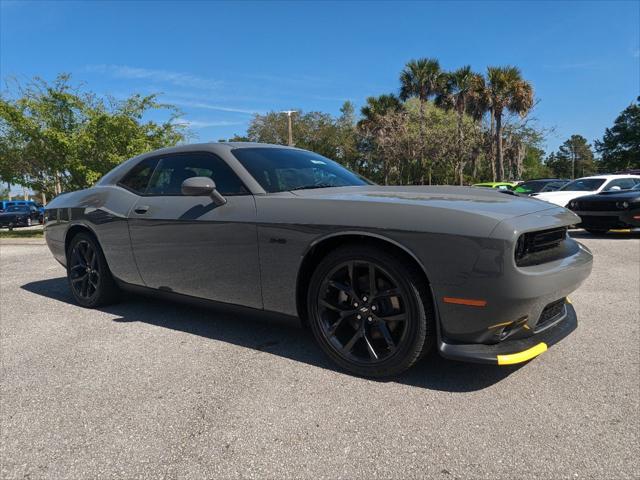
(285, 169)
(17, 208)
(530, 187)
(583, 185)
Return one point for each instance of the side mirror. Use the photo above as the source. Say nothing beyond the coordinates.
(615, 188)
(202, 187)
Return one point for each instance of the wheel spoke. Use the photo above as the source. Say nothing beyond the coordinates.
(342, 287)
(77, 259)
(372, 353)
(78, 279)
(84, 287)
(401, 317)
(351, 343)
(351, 267)
(372, 280)
(382, 327)
(328, 305)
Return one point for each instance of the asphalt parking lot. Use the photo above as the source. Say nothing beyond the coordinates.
(149, 389)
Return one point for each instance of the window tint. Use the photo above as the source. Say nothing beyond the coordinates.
(583, 185)
(138, 177)
(622, 183)
(175, 169)
(281, 169)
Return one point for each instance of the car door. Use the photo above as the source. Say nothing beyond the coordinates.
(190, 245)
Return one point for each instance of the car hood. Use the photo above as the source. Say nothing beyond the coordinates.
(470, 200)
(612, 196)
(561, 198)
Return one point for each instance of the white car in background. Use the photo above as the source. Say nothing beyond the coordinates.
(588, 186)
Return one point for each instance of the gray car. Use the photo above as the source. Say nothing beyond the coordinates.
(380, 274)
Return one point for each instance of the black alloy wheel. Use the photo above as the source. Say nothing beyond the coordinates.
(84, 271)
(368, 313)
(88, 273)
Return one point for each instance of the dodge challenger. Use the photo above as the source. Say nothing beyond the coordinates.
(380, 274)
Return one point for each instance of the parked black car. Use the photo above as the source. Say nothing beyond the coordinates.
(20, 216)
(540, 185)
(608, 210)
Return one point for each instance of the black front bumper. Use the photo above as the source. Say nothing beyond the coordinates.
(609, 220)
(512, 351)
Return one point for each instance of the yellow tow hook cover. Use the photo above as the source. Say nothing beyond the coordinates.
(522, 356)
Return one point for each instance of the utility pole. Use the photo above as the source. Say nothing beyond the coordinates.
(289, 113)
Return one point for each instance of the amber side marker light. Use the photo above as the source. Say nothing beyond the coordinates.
(465, 301)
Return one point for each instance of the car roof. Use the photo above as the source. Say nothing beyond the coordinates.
(609, 177)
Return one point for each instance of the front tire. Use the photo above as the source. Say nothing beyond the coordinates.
(89, 277)
(369, 311)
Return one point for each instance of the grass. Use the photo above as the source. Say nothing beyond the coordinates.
(19, 233)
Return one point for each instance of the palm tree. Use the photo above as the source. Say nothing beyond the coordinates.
(507, 91)
(421, 78)
(463, 93)
(379, 106)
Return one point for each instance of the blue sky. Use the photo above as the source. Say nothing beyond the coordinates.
(221, 62)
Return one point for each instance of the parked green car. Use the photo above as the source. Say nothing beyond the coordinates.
(497, 185)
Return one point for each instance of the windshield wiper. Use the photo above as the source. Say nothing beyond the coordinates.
(309, 187)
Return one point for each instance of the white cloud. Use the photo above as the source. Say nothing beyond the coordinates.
(205, 123)
(209, 106)
(180, 79)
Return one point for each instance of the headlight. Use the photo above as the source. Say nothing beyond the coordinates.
(622, 205)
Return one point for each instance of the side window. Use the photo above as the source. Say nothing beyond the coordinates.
(173, 170)
(138, 177)
(621, 183)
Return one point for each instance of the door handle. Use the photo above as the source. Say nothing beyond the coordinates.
(141, 210)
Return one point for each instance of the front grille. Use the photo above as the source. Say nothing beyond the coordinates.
(602, 221)
(596, 206)
(551, 313)
(534, 248)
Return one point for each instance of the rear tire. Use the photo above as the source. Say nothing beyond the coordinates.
(88, 274)
(372, 328)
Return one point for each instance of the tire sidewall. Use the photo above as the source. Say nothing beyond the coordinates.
(413, 342)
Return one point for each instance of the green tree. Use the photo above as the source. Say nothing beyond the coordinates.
(421, 78)
(316, 131)
(574, 158)
(620, 146)
(55, 137)
(378, 106)
(507, 92)
(462, 93)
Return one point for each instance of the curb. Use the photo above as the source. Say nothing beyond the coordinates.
(22, 241)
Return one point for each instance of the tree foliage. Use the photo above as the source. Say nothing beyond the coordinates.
(620, 145)
(56, 137)
(573, 159)
(436, 130)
